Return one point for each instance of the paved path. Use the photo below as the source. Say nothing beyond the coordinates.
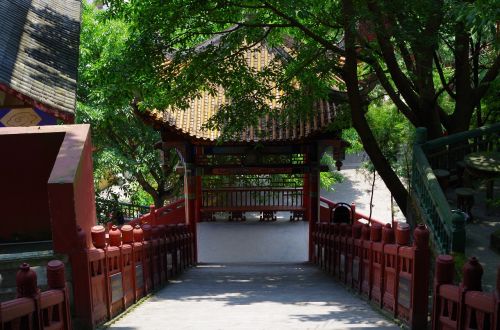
(486, 221)
(253, 296)
(356, 187)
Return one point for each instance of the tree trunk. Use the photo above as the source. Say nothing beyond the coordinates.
(159, 201)
(359, 121)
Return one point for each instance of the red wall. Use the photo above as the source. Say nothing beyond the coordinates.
(71, 190)
(26, 161)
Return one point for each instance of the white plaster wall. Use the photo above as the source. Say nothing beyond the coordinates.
(252, 241)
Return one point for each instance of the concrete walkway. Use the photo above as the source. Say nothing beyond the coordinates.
(253, 296)
(356, 188)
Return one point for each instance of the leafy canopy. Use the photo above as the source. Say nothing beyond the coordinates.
(124, 145)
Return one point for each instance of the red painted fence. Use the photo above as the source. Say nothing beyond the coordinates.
(380, 264)
(173, 213)
(327, 206)
(127, 265)
(34, 309)
(464, 306)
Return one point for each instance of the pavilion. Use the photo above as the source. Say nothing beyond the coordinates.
(272, 167)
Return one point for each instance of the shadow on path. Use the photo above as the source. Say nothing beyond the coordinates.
(254, 296)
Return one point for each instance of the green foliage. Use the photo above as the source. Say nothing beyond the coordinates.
(351, 136)
(174, 50)
(330, 178)
(124, 145)
(393, 133)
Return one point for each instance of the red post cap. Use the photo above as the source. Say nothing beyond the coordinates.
(55, 275)
(138, 234)
(403, 233)
(472, 274)
(445, 268)
(26, 282)
(376, 232)
(115, 236)
(421, 237)
(146, 229)
(98, 234)
(388, 234)
(127, 234)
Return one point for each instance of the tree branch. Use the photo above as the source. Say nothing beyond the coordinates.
(403, 83)
(446, 86)
(402, 107)
(490, 75)
(359, 121)
(295, 23)
(146, 185)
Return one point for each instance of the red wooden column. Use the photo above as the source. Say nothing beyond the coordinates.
(305, 190)
(314, 197)
(191, 194)
(198, 200)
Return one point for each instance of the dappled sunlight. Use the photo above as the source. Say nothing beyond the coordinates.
(256, 296)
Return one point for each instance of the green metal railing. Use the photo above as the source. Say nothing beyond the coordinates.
(448, 227)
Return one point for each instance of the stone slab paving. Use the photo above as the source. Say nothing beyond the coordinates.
(253, 296)
(478, 232)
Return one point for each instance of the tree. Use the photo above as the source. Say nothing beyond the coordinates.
(124, 145)
(326, 48)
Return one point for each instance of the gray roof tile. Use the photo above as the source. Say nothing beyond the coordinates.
(39, 42)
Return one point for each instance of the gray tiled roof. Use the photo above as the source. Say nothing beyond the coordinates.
(39, 50)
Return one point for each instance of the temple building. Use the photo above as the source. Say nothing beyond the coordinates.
(39, 42)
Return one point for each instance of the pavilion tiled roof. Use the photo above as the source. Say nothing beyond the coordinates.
(39, 42)
(189, 122)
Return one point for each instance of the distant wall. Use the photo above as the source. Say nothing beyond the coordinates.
(25, 167)
(253, 241)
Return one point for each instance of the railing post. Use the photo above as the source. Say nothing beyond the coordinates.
(472, 274)
(420, 135)
(27, 287)
(420, 282)
(445, 268)
(458, 232)
(57, 281)
(132, 239)
(147, 247)
(81, 282)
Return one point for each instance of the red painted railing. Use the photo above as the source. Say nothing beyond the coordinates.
(327, 209)
(173, 213)
(34, 309)
(126, 264)
(464, 306)
(380, 264)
